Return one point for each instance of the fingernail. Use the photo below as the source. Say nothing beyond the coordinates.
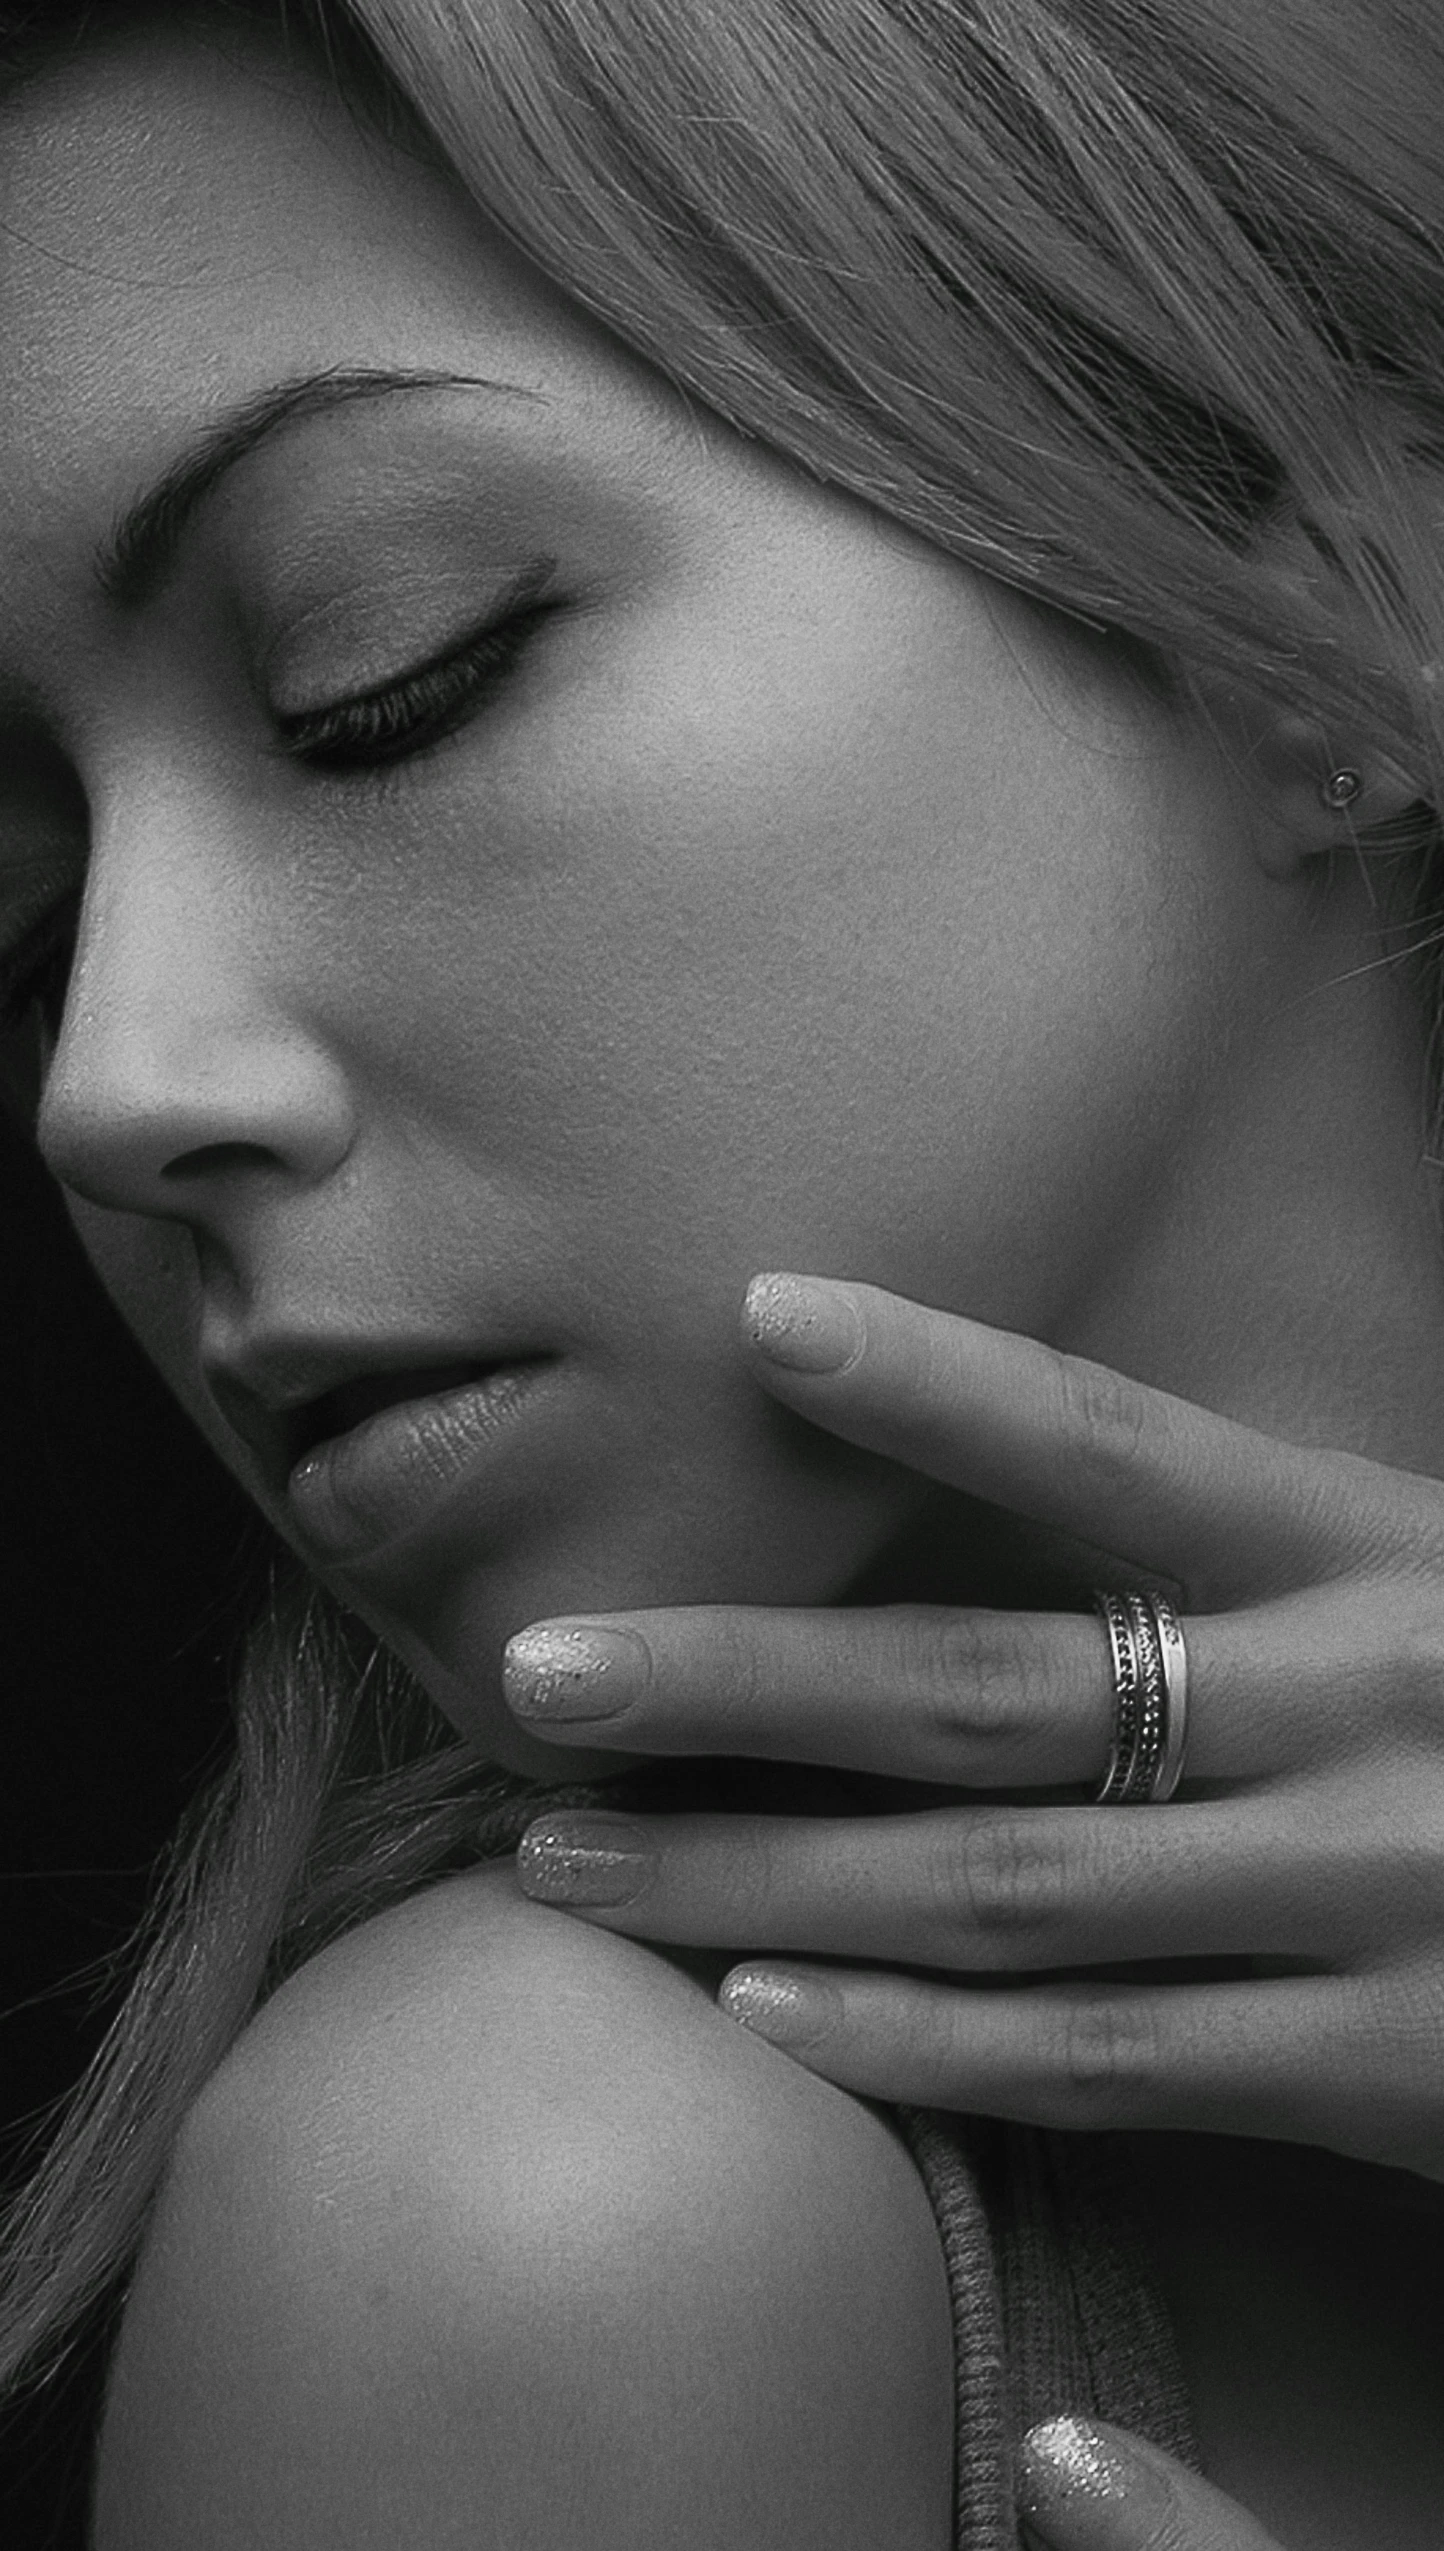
(563, 1670)
(777, 2007)
(1074, 2484)
(583, 1860)
(805, 1325)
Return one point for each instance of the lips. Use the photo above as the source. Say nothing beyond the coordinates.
(286, 1397)
(350, 1403)
(419, 1438)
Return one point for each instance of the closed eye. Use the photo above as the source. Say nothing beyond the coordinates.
(431, 701)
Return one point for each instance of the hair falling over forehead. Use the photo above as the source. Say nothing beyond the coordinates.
(1092, 295)
(1135, 304)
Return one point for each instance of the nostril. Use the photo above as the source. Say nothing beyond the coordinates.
(145, 1113)
(213, 1160)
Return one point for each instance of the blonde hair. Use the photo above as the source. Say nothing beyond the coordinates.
(1135, 304)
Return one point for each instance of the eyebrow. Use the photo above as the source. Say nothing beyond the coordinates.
(134, 561)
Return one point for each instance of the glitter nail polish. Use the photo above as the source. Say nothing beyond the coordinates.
(583, 1860)
(558, 1670)
(1086, 2490)
(777, 2007)
(806, 1327)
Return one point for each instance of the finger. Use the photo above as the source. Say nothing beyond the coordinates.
(973, 1890)
(1175, 1489)
(918, 1691)
(1279, 2060)
(1084, 2485)
(978, 1699)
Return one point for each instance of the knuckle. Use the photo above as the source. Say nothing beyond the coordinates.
(1409, 1676)
(1400, 2012)
(737, 1667)
(1007, 1878)
(1408, 1877)
(976, 1688)
(1396, 1519)
(1105, 1423)
(1110, 2057)
(751, 1865)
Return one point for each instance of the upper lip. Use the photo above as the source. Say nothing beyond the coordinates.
(278, 1395)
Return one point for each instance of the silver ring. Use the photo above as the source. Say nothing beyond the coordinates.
(1175, 1682)
(1149, 1664)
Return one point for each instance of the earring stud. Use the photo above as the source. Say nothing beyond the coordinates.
(1340, 789)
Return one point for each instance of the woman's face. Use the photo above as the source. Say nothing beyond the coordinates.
(772, 891)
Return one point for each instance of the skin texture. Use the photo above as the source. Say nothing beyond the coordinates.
(495, 2232)
(1295, 1881)
(1086, 2486)
(803, 901)
(794, 847)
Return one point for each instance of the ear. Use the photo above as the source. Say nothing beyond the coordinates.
(1294, 782)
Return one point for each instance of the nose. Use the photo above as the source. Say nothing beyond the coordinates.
(184, 1068)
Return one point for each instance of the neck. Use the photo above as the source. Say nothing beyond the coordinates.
(1288, 1269)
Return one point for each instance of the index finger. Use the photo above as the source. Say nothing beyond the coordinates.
(1151, 1478)
(1084, 2485)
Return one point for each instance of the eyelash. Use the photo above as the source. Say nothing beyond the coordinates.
(422, 708)
(372, 732)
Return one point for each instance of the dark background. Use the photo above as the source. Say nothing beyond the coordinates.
(127, 1566)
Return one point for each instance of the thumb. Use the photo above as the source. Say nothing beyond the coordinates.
(1086, 2487)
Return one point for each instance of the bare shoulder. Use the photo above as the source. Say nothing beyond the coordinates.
(493, 2230)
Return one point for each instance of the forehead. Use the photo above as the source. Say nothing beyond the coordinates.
(182, 222)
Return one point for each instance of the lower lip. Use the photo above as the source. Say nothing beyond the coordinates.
(388, 1477)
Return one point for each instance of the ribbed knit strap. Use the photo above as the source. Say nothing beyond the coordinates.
(1084, 2325)
(984, 2518)
(1048, 2365)
(1053, 2305)
(1128, 2342)
(1054, 2308)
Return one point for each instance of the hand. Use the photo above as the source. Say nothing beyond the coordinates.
(1083, 2486)
(1309, 1834)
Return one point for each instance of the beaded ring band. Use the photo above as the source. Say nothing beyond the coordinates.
(1150, 1699)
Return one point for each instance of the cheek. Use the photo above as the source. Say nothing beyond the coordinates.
(149, 1271)
(811, 979)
